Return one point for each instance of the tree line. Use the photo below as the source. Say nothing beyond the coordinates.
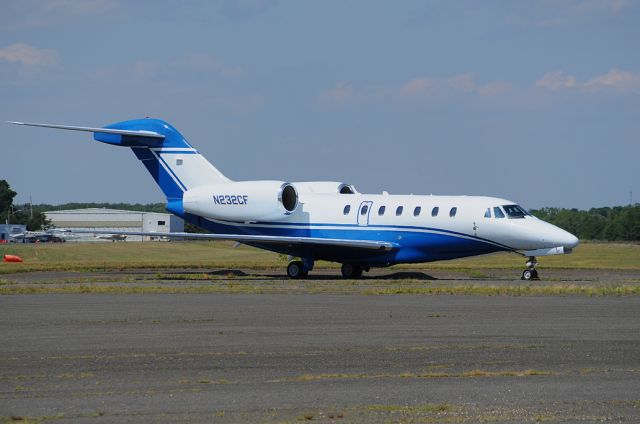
(618, 223)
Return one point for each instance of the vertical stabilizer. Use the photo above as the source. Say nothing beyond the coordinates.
(172, 162)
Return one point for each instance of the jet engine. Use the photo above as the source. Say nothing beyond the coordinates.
(242, 200)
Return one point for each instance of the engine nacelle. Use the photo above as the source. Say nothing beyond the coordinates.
(242, 200)
(324, 187)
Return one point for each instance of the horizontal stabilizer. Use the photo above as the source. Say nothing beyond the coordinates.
(135, 133)
(244, 238)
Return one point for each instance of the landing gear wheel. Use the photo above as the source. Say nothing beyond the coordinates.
(296, 269)
(351, 271)
(530, 273)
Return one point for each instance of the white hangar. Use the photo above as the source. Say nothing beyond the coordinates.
(114, 219)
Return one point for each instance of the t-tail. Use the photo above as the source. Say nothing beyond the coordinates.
(172, 162)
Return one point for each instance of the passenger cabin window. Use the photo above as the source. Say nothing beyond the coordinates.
(497, 212)
(364, 210)
(434, 211)
(487, 213)
(346, 210)
(399, 211)
(453, 212)
(161, 223)
(178, 162)
(515, 211)
(416, 211)
(381, 210)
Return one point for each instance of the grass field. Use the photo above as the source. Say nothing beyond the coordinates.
(129, 255)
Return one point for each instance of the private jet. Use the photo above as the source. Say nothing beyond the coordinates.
(326, 220)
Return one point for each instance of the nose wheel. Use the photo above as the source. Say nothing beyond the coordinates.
(530, 273)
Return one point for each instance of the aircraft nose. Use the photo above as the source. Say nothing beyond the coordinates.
(566, 239)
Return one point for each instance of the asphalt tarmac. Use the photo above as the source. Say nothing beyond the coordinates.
(218, 357)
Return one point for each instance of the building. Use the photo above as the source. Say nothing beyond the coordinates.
(9, 230)
(113, 219)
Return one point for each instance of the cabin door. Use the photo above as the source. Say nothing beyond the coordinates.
(363, 213)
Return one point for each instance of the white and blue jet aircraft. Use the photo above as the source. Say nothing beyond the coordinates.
(327, 220)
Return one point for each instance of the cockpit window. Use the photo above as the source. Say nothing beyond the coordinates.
(497, 212)
(515, 211)
(487, 213)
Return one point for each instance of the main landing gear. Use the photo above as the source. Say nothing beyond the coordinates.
(352, 270)
(530, 273)
(296, 269)
(300, 269)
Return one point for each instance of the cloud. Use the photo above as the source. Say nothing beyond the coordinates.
(28, 56)
(429, 87)
(418, 89)
(340, 95)
(623, 82)
(556, 80)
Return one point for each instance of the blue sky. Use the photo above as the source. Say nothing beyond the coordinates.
(534, 101)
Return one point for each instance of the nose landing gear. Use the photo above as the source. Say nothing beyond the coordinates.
(530, 273)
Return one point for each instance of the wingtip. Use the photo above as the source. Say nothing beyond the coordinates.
(15, 122)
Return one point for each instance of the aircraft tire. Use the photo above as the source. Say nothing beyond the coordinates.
(295, 269)
(527, 275)
(351, 271)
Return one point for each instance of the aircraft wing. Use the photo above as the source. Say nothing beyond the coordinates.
(244, 238)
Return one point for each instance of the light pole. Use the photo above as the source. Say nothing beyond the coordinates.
(12, 211)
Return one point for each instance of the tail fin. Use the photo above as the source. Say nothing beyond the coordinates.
(172, 162)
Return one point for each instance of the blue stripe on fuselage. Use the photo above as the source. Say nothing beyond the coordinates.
(418, 244)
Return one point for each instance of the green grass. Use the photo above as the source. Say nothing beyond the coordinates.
(194, 255)
(130, 255)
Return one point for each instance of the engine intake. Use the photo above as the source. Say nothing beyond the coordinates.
(288, 197)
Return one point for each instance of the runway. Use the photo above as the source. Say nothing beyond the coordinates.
(319, 357)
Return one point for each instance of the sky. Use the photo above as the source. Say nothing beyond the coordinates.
(534, 101)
